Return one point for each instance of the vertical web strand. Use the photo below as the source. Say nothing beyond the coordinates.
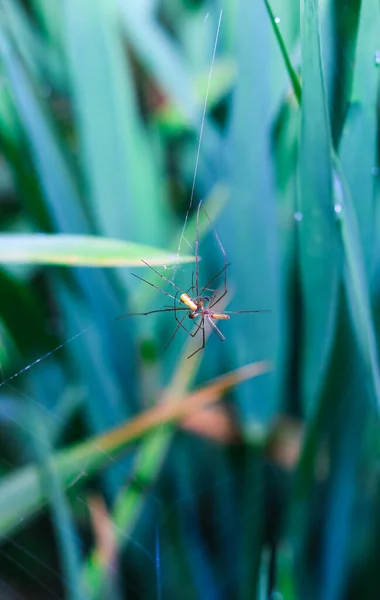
(182, 237)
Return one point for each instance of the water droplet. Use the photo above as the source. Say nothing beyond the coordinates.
(277, 20)
(298, 216)
(338, 208)
(375, 171)
(377, 58)
(165, 267)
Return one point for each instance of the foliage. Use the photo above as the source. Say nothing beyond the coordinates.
(116, 479)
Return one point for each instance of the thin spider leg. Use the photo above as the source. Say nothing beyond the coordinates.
(215, 277)
(203, 342)
(150, 312)
(214, 302)
(198, 327)
(162, 277)
(240, 312)
(175, 331)
(152, 285)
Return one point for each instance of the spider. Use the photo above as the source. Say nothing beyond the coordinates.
(197, 304)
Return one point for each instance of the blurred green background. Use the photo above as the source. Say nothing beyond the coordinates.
(108, 109)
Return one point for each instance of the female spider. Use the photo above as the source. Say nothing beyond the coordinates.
(197, 304)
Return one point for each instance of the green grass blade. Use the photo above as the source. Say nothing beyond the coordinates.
(296, 84)
(317, 230)
(78, 250)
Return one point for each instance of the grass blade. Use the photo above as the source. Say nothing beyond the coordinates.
(317, 231)
(80, 251)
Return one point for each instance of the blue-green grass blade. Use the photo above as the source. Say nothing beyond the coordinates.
(125, 189)
(338, 30)
(357, 289)
(345, 457)
(54, 174)
(50, 16)
(162, 58)
(41, 58)
(170, 117)
(358, 146)
(54, 490)
(318, 243)
(247, 227)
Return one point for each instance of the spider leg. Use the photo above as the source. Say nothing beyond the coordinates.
(205, 287)
(152, 285)
(203, 341)
(240, 312)
(162, 277)
(150, 312)
(175, 331)
(198, 327)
